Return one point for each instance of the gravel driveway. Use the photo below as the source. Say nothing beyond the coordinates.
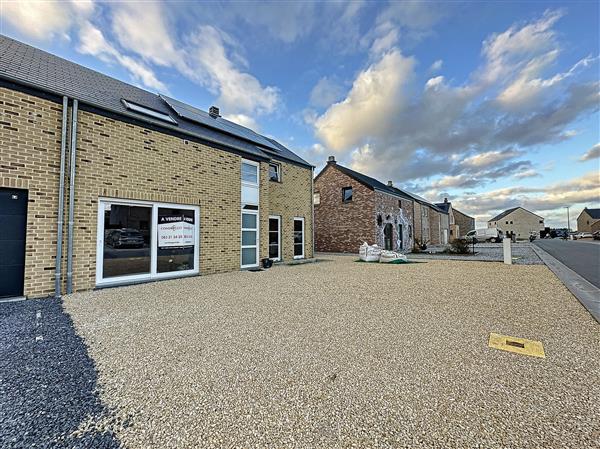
(344, 354)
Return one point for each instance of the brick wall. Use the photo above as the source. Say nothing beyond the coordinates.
(422, 223)
(288, 199)
(434, 226)
(116, 159)
(343, 227)
(30, 133)
(464, 222)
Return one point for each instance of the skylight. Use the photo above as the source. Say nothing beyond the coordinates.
(147, 111)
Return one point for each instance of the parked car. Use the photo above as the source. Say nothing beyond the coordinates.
(484, 235)
(596, 235)
(121, 238)
(584, 235)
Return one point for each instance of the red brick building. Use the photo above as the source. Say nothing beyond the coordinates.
(351, 208)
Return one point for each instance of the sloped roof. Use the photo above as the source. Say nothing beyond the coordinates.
(374, 184)
(29, 66)
(444, 206)
(594, 213)
(509, 211)
(455, 210)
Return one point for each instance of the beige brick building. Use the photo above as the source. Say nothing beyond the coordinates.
(518, 221)
(160, 189)
(588, 220)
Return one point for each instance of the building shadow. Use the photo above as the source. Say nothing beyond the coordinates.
(48, 382)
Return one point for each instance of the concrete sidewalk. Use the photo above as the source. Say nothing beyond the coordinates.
(587, 293)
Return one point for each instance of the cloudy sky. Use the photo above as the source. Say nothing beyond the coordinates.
(491, 104)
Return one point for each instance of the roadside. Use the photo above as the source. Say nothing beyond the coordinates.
(48, 383)
(583, 257)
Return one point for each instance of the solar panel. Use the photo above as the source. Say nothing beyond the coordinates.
(204, 118)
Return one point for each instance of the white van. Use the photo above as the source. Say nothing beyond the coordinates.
(485, 235)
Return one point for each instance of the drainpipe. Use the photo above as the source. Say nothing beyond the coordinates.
(72, 197)
(61, 199)
(312, 202)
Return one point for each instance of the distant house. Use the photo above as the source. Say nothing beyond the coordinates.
(458, 223)
(518, 221)
(464, 223)
(589, 220)
(352, 208)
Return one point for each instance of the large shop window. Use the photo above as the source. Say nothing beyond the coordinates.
(298, 238)
(141, 240)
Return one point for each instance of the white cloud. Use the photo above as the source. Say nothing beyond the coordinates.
(239, 92)
(592, 153)
(244, 120)
(490, 158)
(531, 173)
(414, 133)
(39, 20)
(325, 92)
(92, 42)
(376, 95)
(436, 66)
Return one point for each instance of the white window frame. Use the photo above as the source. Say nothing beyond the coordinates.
(275, 164)
(257, 165)
(303, 238)
(153, 274)
(278, 218)
(257, 245)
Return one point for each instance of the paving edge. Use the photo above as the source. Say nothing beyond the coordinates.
(586, 292)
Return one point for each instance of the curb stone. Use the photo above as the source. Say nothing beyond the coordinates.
(586, 293)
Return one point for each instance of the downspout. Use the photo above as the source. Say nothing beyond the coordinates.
(312, 202)
(61, 199)
(72, 197)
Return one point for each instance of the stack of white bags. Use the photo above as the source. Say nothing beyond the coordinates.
(374, 253)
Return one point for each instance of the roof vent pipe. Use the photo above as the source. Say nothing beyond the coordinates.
(214, 112)
(445, 200)
(331, 160)
(390, 184)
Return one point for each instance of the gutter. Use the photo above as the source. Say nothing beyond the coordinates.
(72, 164)
(61, 200)
(312, 202)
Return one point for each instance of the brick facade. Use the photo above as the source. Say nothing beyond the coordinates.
(117, 159)
(464, 222)
(344, 226)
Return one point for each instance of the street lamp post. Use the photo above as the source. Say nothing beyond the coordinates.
(568, 219)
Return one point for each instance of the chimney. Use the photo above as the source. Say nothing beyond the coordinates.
(390, 184)
(331, 160)
(214, 112)
(445, 200)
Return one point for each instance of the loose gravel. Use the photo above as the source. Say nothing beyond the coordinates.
(48, 396)
(343, 354)
(522, 254)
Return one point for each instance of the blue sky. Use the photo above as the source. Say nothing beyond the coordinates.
(491, 104)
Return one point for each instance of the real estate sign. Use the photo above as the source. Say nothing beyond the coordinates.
(176, 231)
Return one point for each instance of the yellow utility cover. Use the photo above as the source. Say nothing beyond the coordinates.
(516, 344)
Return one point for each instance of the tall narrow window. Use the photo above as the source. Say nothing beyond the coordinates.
(347, 194)
(249, 173)
(298, 238)
(275, 238)
(249, 239)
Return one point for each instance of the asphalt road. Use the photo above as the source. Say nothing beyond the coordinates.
(580, 256)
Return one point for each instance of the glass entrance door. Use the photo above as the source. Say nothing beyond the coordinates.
(298, 238)
(249, 239)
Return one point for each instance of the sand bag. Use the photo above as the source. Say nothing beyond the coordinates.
(392, 257)
(369, 253)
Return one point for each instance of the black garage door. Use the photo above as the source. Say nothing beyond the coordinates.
(13, 224)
